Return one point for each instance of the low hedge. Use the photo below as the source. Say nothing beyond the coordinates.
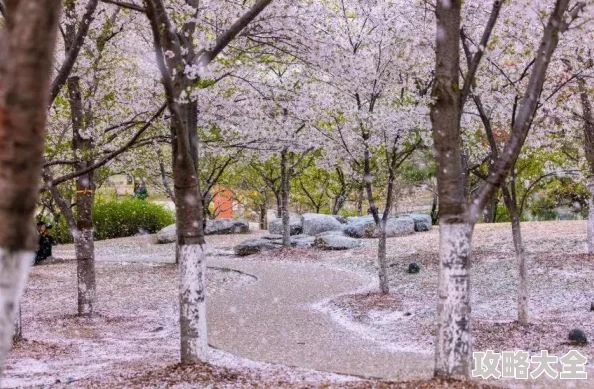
(121, 218)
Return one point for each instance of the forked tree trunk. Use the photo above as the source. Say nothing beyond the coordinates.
(522, 289)
(382, 260)
(454, 344)
(27, 41)
(457, 217)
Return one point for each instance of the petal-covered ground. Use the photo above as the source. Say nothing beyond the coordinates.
(132, 341)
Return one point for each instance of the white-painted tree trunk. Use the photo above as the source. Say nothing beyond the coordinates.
(14, 270)
(453, 351)
(192, 267)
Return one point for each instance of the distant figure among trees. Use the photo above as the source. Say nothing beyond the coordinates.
(46, 241)
(140, 191)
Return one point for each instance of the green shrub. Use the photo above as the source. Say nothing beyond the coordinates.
(121, 218)
(116, 219)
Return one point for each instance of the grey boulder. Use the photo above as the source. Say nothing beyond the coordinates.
(295, 226)
(226, 226)
(315, 223)
(365, 227)
(167, 235)
(423, 222)
(332, 233)
(302, 241)
(336, 242)
(341, 219)
(255, 246)
(213, 227)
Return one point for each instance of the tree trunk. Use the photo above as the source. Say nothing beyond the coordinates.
(338, 203)
(190, 239)
(189, 212)
(263, 217)
(360, 201)
(454, 344)
(491, 210)
(522, 298)
(279, 204)
(84, 245)
(285, 188)
(384, 281)
(453, 349)
(453, 357)
(588, 118)
(18, 328)
(434, 209)
(590, 225)
(27, 41)
(85, 260)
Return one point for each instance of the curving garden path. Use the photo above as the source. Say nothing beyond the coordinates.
(272, 320)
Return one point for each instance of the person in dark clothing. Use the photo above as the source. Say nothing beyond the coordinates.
(46, 241)
(140, 191)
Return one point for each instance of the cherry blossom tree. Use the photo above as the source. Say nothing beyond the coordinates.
(370, 95)
(183, 52)
(457, 217)
(93, 107)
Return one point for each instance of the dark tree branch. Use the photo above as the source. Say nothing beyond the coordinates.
(73, 51)
(125, 5)
(224, 39)
(113, 154)
(526, 110)
(476, 59)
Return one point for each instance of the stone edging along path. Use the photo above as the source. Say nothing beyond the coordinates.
(272, 320)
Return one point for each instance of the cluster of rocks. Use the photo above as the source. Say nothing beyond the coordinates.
(213, 227)
(330, 232)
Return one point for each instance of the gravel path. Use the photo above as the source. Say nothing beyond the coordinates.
(273, 320)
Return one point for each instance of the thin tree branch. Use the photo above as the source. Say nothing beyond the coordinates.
(113, 154)
(125, 5)
(476, 58)
(73, 51)
(224, 39)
